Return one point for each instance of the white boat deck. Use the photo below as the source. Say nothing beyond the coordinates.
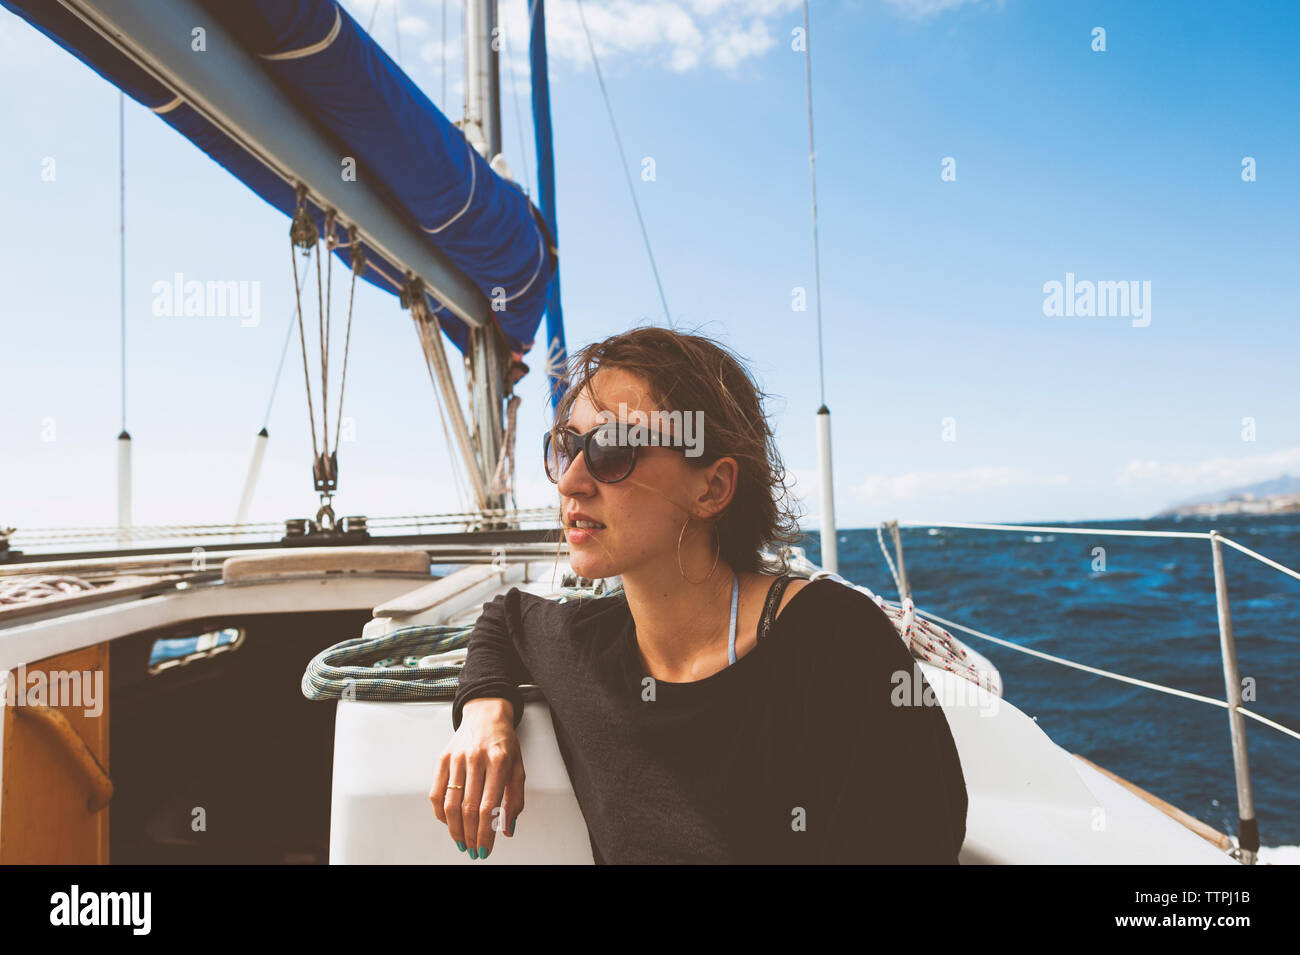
(1030, 800)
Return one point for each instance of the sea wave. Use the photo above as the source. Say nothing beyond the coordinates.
(1151, 615)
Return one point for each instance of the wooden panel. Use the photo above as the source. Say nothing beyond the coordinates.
(321, 560)
(45, 816)
(443, 589)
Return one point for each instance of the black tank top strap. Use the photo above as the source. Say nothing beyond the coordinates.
(774, 593)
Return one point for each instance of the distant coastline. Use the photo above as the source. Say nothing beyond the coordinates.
(1245, 504)
(1278, 496)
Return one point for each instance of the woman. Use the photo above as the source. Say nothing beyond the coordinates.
(711, 712)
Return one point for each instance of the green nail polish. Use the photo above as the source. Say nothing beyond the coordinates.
(473, 853)
(460, 846)
(512, 826)
(483, 852)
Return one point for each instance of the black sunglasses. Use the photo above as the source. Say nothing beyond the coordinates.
(607, 460)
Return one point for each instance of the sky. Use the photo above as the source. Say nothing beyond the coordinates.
(968, 154)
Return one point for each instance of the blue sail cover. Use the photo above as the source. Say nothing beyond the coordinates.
(372, 111)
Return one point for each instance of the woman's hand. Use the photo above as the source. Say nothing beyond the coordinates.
(484, 758)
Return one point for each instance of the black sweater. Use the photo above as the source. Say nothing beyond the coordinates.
(794, 753)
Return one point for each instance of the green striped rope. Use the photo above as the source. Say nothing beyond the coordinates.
(387, 667)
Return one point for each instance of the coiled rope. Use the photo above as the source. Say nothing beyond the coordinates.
(419, 663)
(17, 590)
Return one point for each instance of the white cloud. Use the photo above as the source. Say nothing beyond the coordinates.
(676, 35)
(413, 26)
(1210, 473)
(742, 43)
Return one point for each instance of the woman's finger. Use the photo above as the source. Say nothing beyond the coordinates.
(452, 800)
(491, 813)
(439, 790)
(469, 806)
(513, 799)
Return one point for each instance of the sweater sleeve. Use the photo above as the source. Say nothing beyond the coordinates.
(892, 789)
(492, 663)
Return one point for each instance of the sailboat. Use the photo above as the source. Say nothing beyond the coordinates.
(248, 693)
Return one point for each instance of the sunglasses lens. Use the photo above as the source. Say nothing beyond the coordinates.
(556, 454)
(609, 462)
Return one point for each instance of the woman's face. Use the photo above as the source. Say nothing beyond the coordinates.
(644, 513)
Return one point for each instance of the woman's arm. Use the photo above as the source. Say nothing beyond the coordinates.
(493, 667)
(892, 786)
(478, 788)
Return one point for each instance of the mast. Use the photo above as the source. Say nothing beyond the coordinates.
(487, 353)
(124, 520)
(482, 76)
(830, 552)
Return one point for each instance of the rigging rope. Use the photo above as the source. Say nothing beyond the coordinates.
(503, 479)
(623, 156)
(424, 317)
(302, 232)
(547, 517)
(812, 175)
(323, 313)
(893, 572)
(358, 257)
(1145, 684)
(415, 663)
(275, 384)
(304, 235)
(514, 93)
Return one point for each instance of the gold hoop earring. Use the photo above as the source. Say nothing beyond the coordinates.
(716, 554)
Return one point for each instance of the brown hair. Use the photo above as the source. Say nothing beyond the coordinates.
(691, 373)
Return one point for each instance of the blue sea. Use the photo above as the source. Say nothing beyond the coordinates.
(1151, 615)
